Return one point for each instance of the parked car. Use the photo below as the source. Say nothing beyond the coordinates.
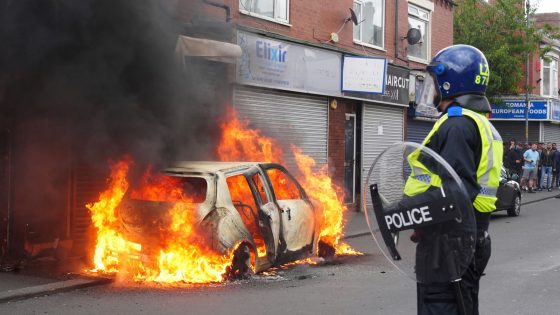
(509, 194)
(258, 205)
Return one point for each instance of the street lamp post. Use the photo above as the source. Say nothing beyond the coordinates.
(528, 7)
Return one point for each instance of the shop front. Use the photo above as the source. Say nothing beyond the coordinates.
(298, 95)
(509, 119)
(382, 116)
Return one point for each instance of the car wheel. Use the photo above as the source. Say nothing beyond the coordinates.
(240, 267)
(326, 251)
(515, 208)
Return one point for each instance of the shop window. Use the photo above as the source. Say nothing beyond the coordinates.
(419, 18)
(549, 79)
(371, 15)
(275, 10)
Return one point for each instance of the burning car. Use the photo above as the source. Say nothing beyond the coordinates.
(257, 214)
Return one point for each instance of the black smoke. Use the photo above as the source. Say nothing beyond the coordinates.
(88, 81)
(106, 69)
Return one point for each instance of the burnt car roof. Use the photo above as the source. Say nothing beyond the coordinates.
(207, 166)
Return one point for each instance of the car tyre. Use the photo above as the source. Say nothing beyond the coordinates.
(515, 208)
(240, 267)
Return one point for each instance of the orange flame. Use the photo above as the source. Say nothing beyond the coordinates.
(184, 254)
(240, 143)
(183, 257)
(320, 187)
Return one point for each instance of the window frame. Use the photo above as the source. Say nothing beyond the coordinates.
(552, 76)
(275, 19)
(383, 22)
(428, 41)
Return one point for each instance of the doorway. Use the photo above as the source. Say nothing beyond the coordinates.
(350, 158)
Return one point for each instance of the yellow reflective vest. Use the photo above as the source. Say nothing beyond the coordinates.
(488, 170)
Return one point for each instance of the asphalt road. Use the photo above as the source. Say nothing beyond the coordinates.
(523, 278)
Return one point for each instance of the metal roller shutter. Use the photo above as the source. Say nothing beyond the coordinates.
(516, 130)
(87, 184)
(417, 130)
(291, 118)
(381, 127)
(551, 133)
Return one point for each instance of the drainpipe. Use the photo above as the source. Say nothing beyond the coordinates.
(9, 193)
(396, 29)
(222, 6)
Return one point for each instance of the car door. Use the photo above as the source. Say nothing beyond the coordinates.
(298, 219)
(269, 214)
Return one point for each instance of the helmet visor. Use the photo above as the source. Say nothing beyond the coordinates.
(430, 97)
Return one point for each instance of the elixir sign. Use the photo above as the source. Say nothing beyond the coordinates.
(274, 63)
(515, 110)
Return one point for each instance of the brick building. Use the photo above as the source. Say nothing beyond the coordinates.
(544, 111)
(297, 74)
(87, 80)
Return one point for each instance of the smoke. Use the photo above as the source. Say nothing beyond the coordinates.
(106, 70)
(84, 82)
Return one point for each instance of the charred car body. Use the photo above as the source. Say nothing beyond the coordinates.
(257, 209)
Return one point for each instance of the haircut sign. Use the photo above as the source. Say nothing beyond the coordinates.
(538, 110)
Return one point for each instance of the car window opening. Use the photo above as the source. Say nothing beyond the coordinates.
(165, 188)
(244, 202)
(284, 187)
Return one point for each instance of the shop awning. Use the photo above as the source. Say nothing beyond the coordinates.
(206, 48)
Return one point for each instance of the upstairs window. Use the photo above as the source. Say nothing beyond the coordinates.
(275, 10)
(549, 82)
(371, 14)
(419, 18)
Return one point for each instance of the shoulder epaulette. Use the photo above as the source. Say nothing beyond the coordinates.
(455, 111)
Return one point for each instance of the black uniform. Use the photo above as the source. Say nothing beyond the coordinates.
(458, 142)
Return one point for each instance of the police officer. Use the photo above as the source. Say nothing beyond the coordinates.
(463, 136)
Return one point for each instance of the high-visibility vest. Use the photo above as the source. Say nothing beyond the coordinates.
(488, 171)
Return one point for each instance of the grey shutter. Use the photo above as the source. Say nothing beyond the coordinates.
(87, 185)
(417, 130)
(516, 130)
(290, 118)
(551, 133)
(391, 121)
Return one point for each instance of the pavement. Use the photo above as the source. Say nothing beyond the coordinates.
(41, 277)
(36, 280)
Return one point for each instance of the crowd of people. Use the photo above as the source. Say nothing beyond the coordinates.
(537, 165)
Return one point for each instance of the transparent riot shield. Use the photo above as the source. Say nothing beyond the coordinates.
(419, 214)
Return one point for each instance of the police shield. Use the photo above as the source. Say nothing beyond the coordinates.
(419, 214)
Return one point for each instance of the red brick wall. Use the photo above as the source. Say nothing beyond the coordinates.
(314, 21)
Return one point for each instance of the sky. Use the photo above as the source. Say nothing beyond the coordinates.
(547, 5)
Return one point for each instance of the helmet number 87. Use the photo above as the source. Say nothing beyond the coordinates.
(481, 79)
(484, 75)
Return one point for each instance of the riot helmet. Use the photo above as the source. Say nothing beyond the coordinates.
(459, 73)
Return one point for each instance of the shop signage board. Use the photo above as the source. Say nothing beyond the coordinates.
(396, 90)
(274, 63)
(515, 110)
(364, 74)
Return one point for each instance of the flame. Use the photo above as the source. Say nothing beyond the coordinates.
(184, 255)
(240, 143)
(105, 220)
(320, 187)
